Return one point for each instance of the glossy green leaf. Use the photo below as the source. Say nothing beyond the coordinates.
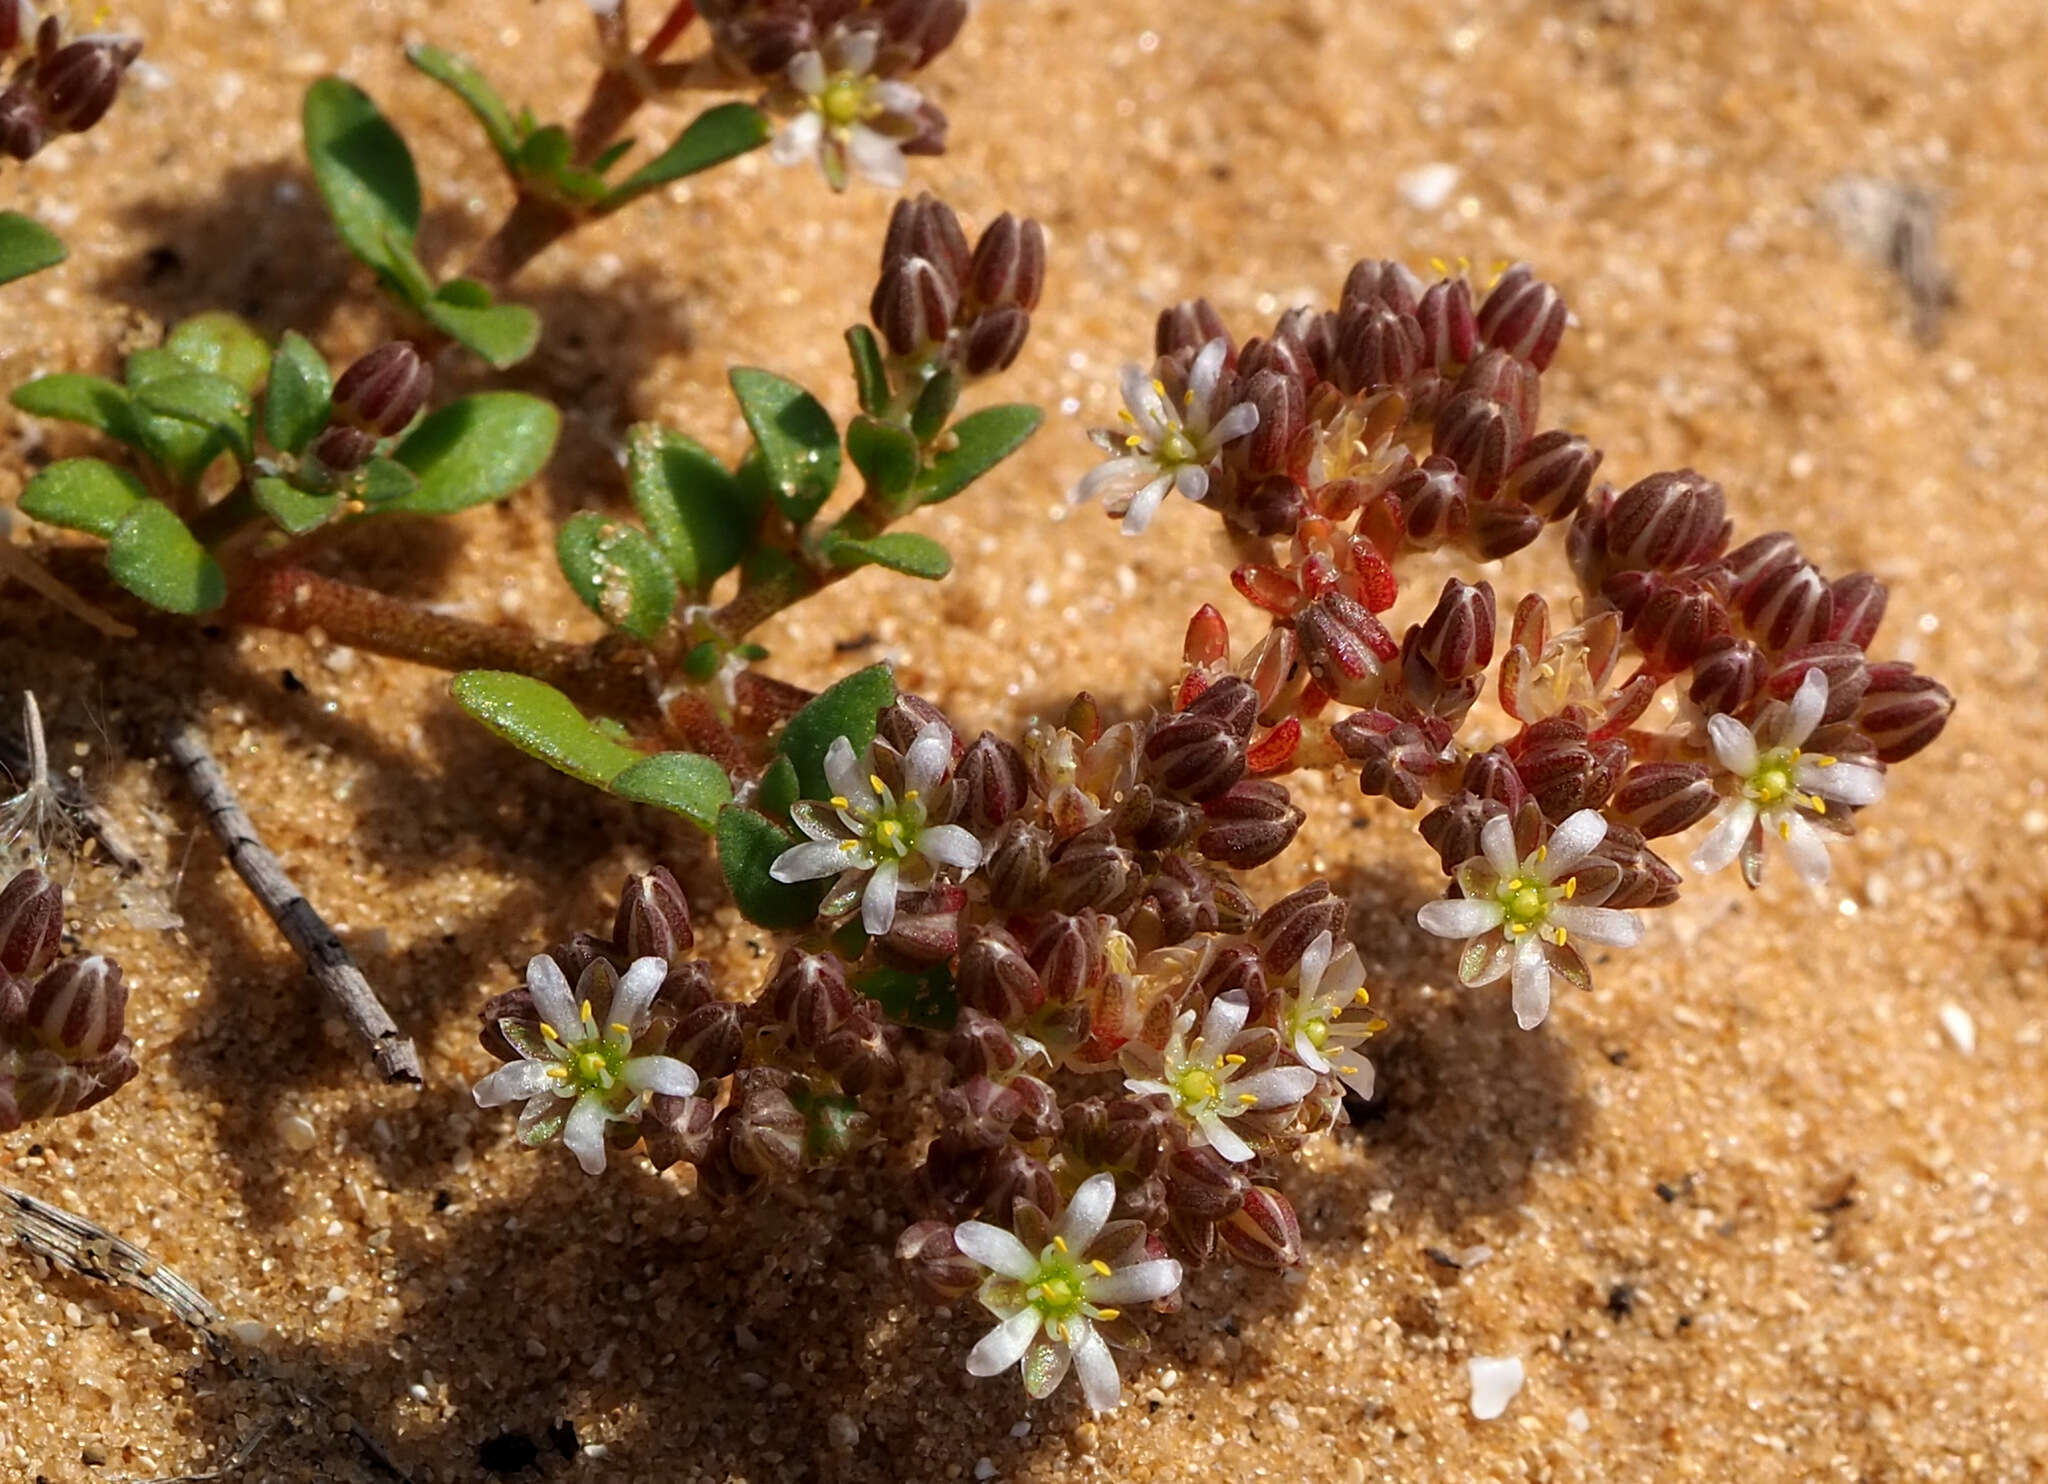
(984, 439)
(300, 399)
(870, 372)
(798, 440)
(545, 151)
(747, 846)
(778, 788)
(154, 556)
(503, 334)
(476, 450)
(183, 449)
(26, 246)
(460, 76)
(926, 999)
(225, 345)
(364, 171)
(618, 573)
(92, 401)
(900, 551)
(206, 401)
(295, 511)
(935, 404)
(886, 455)
(847, 709)
(382, 481)
(702, 518)
(613, 153)
(542, 722)
(87, 495)
(692, 786)
(716, 135)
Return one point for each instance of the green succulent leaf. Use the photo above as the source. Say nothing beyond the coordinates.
(714, 136)
(848, 709)
(692, 786)
(699, 514)
(225, 345)
(935, 404)
(778, 788)
(545, 151)
(382, 481)
(503, 334)
(542, 722)
(460, 76)
(747, 846)
(886, 455)
(613, 153)
(295, 510)
(365, 174)
(300, 399)
(983, 440)
(87, 495)
(900, 551)
(92, 401)
(476, 450)
(618, 573)
(926, 999)
(798, 440)
(26, 246)
(182, 448)
(870, 372)
(205, 401)
(154, 556)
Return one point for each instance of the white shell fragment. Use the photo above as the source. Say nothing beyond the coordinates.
(1960, 1027)
(1495, 1382)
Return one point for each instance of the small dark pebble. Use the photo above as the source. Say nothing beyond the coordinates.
(1442, 1258)
(443, 1200)
(1666, 1193)
(507, 1453)
(1621, 1301)
(292, 683)
(1619, 1058)
(1685, 1321)
(563, 1435)
(855, 644)
(160, 262)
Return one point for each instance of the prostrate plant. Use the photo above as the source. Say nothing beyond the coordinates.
(55, 86)
(834, 70)
(1696, 679)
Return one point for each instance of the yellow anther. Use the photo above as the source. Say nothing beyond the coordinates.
(875, 783)
(1233, 1059)
(1571, 888)
(1349, 1071)
(1247, 1098)
(1060, 1242)
(839, 801)
(622, 1028)
(1784, 829)
(1561, 936)
(1363, 997)
(1819, 804)
(1375, 1026)
(1159, 387)
(1516, 929)
(1439, 267)
(1109, 1313)
(589, 1014)
(849, 846)
(1134, 441)
(558, 1073)
(1825, 762)
(1125, 414)
(1187, 398)
(1542, 852)
(909, 794)
(550, 1032)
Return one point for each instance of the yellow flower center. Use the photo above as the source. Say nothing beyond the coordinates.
(844, 102)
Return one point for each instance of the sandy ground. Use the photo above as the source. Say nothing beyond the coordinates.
(1751, 1211)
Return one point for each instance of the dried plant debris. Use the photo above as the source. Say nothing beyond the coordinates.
(1895, 226)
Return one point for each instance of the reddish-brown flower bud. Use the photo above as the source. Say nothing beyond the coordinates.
(1272, 506)
(1009, 263)
(1501, 528)
(1858, 609)
(1203, 1184)
(1377, 346)
(1017, 867)
(1492, 775)
(765, 1135)
(1902, 711)
(914, 305)
(1480, 437)
(1646, 879)
(1452, 829)
(1500, 378)
(1264, 1232)
(1188, 326)
(1434, 502)
(1523, 316)
(1395, 757)
(1155, 821)
(1666, 522)
(383, 391)
(1664, 798)
(23, 131)
(861, 1054)
(1346, 647)
(1450, 330)
(1313, 332)
(1196, 756)
(807, 995)
(78, 83)
(653, 919)
(1564, 770)
(921, 29)
(1068, 955)
(1457, 637)
(928, 228)
(1553, 474)
(1285, 929)
(1381, 281)
(678, 1130)
(709, 1039)
(1282, 401)
(903, 718)
(982, 1047)
(994, 341)
(1092, 870)
(1249, 825)
(31, 920)
(1844, 664)
(1727, 676)
(1675, 621)
(1787, 607)
(16, 22)
(990, 785)
(939, 1272)
(76, 1008)
(996, 978)
(926, 930)
(344, 449)
(1758, 558)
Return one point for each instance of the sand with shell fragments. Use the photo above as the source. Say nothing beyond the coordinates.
(1752, 1211)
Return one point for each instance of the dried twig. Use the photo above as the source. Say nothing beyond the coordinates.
(326, 959)
(67, 1240)
(23, 758)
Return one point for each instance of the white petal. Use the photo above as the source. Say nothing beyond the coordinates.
(1101, 1387)
(1308, 1052)
(899, 98)
(1808, 704)
(1806, 846)
(662, 1074)
(877, 156)
(1193, 481)
(1734, 747)
(949, 845)
(1003, 1346)
(549, 987)
(1360, 1078)
(930, 754)
(806, 73)
(1314, 959)
(1219, 1137)
(1275, 1088)
(636, 990)
(857, 51)
(1721, 847)
(1145, 504)
(1140, 1283)
(1208, 368)
(878, 901)
(1844, 783)
(995, 1249)
(813, 860)
(1459, 917)
(514, 1082)
(1147, 407)
(1045, 1366)
(1087, 1212)
(1343, 978)
(1497, 844)
(798, 139)
(1145, 1086)
(848, 778)
(583, 1134)
(1570, 842)
(1234, 424)
(1607, 926)
(1532, 984)
(1226, 1017)
(1120, 476)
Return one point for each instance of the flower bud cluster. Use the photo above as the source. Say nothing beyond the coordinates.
(943, 308)
(374, 400)
(57, 86)
(62, 1044)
